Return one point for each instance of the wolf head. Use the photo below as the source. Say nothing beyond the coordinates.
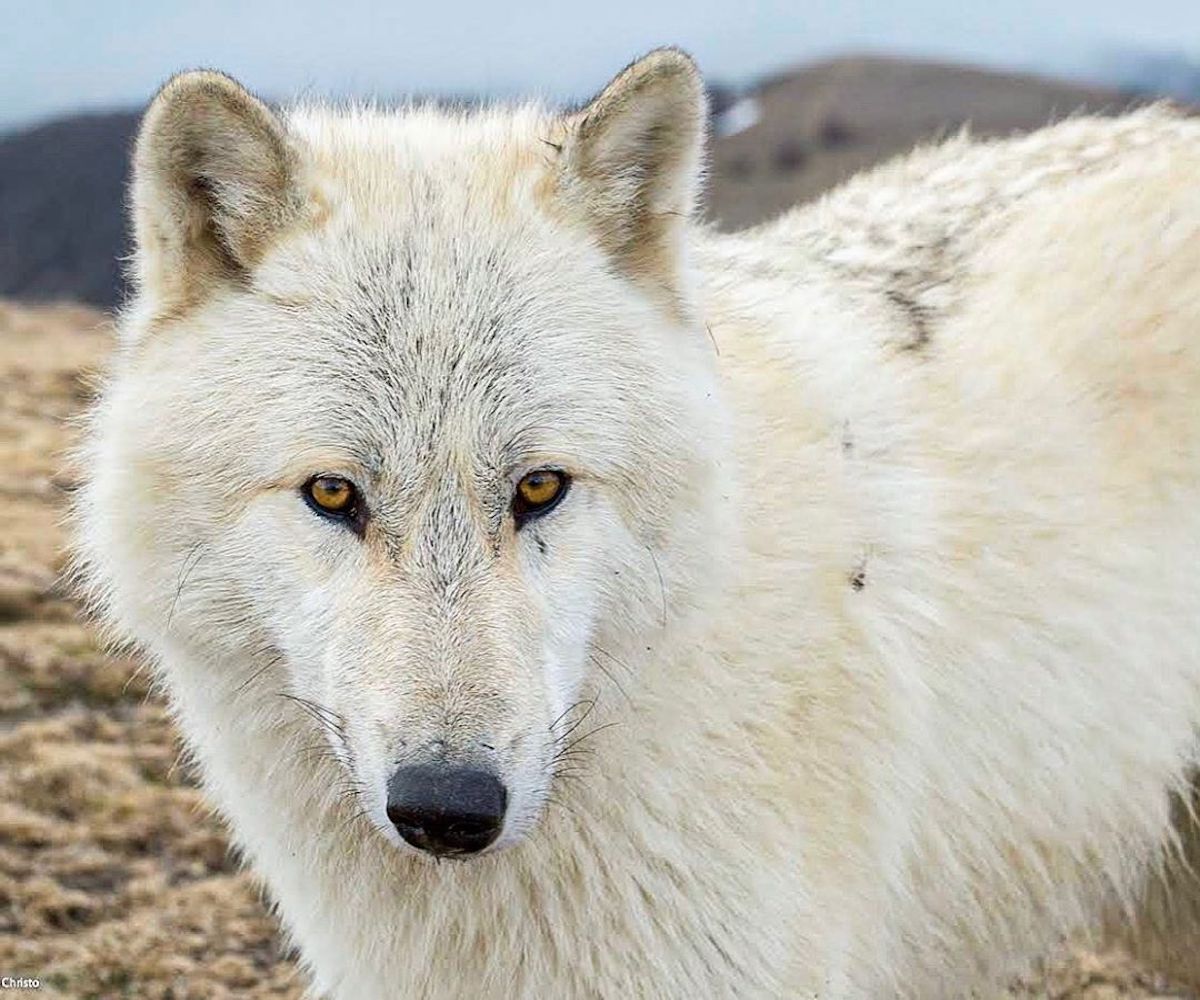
(411, 424)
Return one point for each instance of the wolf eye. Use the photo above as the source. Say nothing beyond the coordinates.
(332, 496)
(538, 492)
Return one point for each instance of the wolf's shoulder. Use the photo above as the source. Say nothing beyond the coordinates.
(909, 229)
(948, 190)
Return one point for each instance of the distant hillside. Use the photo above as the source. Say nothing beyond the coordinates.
(1142, 71)
(822, 123)
(62, 217)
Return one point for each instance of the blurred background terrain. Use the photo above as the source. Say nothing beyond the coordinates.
(114, 880)
(778, 140)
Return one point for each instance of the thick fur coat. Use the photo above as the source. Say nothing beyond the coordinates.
(862, 656)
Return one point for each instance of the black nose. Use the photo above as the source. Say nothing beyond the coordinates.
(446, 810)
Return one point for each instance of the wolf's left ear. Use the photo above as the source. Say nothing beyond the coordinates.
(213, 183)
(633, 159)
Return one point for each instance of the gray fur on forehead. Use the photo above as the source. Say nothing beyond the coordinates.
(437, 325)
(417, 348)
(438, 334)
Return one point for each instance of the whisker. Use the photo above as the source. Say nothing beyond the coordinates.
(319, 713)
(662, 589)
(565, 712)
(189, 563)
(272, 662)
(361, 814)
(607, 673)
(591, 732)
(591, 704)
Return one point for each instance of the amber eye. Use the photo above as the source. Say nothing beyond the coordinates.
(332, 495)
(538, 492)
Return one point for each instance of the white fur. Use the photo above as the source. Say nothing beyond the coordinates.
(880, 563)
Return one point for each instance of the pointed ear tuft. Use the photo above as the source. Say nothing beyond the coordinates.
(633, 159)
(214, 181)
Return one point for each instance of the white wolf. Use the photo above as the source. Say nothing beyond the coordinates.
(813, 611)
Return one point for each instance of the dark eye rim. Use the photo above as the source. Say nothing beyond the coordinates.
(524, 512)
(353, 516)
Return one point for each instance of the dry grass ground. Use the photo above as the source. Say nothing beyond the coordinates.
(114, 881)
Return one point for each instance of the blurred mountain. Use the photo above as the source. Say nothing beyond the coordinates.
(803, 131)
(782, 141)
(1171, 74)
(62, 215)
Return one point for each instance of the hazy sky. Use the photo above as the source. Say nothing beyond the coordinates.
(63, 55)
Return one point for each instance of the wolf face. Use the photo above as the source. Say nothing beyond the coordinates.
(425, 416)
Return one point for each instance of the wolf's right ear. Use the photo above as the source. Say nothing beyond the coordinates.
(214, 180)
(633, 159)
